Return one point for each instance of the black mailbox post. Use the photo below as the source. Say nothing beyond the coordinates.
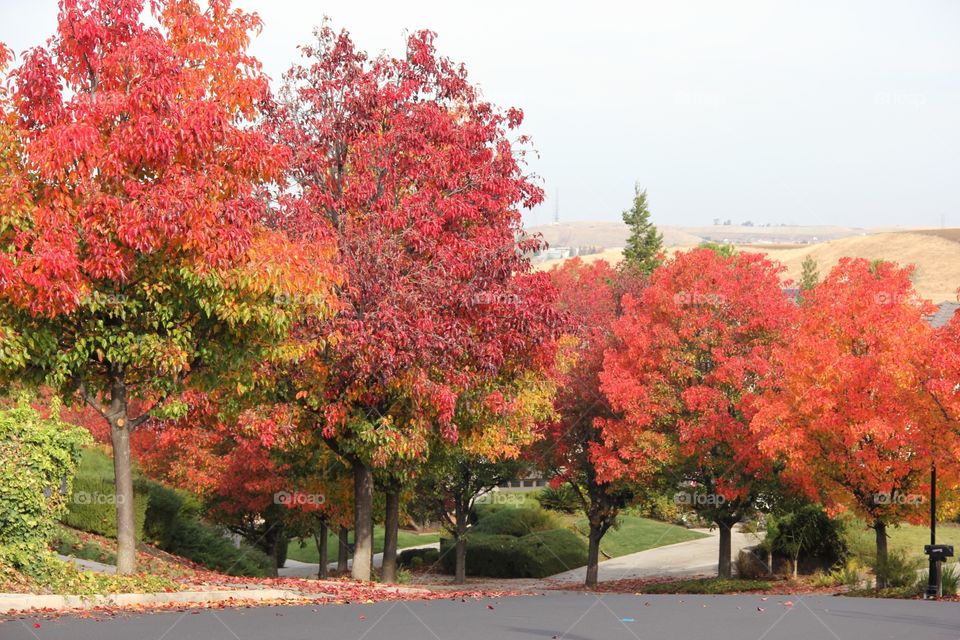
(938, 552)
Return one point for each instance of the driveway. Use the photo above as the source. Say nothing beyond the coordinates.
(695, 557)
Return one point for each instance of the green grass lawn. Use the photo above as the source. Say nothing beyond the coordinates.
(308, 553)
(639, 534)
(907, 538)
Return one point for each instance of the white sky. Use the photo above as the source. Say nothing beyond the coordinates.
(807, 111)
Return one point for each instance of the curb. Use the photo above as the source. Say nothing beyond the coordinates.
(16, 602)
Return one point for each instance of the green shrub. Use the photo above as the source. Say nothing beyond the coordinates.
(562, 499)
(207, 545)
(809, 530)
(417, 558)
(92, 507)
(516, 522)
(38, 458)
(949, 578)
(536, 555)
(899, 569)
(173, 524)
(164, 507)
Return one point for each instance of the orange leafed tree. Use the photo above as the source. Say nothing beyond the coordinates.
(693, 356)
(853, 415)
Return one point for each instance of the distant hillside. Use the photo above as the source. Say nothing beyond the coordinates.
(934, 252)
(611, 235)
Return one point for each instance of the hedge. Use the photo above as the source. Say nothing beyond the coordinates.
(516, 522)
(417, 558)
(38, 457)
(536, 555)
(173, 524)
(92, 507)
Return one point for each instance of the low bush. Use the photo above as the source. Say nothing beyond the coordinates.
(173, 523)
(207, 545)
(898, 569)
(165, 507)
(536, 555)
(92, 506)
(949, 576)
(418, 558)
(809, 534)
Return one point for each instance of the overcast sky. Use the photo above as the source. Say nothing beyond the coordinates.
(818, 112)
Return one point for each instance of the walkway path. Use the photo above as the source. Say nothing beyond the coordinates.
(695, 557)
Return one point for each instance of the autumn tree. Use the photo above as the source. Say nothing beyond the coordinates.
(498, 422)
(573, 449)
(644, 244)
(849, 414)
(693, 355)
(133, 260)
(420, 182)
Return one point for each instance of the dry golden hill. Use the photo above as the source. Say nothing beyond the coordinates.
(935, 254)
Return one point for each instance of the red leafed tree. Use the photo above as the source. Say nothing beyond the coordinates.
(257, 472)
(573, 449)
(131, 251)
(849, 414)
(420, 182)
(693, 356)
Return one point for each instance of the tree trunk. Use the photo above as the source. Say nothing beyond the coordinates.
(460, 572)
(123, 478)
(343, 550)
(363, 521)
(269, 542)
(724, 568)
(880, 528)
(593, 555)
(391, 526)
(321, 539)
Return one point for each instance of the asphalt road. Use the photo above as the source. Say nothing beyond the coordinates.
(570, 616)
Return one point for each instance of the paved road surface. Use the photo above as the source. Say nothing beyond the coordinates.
(561, 615)
(694, 557)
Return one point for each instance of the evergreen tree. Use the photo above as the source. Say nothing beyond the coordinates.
(645, 242)
(809, 275)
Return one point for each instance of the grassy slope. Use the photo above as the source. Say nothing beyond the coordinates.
(907, 538)
(639, 534)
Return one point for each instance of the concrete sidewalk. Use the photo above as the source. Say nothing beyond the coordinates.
(14, 602)
(684, 559)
